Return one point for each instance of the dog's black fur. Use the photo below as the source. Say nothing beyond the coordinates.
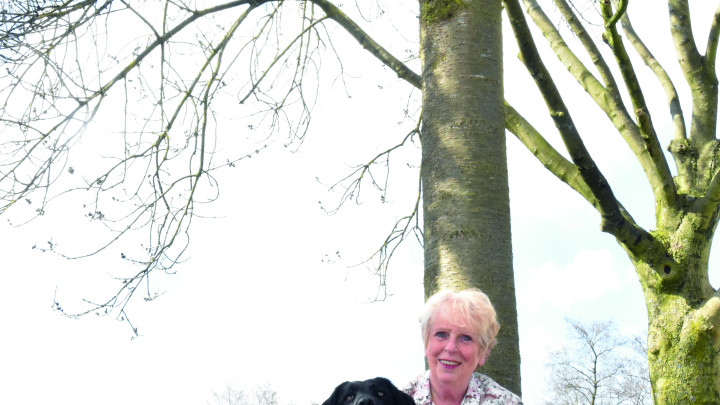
(375, 391)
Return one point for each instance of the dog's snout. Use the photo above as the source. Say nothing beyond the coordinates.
(366, 400)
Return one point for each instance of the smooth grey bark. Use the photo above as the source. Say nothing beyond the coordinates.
(464, 165)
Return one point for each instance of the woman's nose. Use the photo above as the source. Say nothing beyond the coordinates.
(451, 346)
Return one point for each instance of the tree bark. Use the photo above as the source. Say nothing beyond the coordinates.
(683, 340)
(464, 166)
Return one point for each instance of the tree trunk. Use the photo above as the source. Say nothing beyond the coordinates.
(464, 167)
(683, 340)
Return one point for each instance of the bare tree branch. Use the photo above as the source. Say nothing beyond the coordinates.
(65, 60)
(369, 44)
(613, 220)
(676, 112)
(712, 43)
(702, 80)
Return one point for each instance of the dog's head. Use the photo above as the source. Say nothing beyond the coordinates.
(376, 391)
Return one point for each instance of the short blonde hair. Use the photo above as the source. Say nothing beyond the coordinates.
(469, 308)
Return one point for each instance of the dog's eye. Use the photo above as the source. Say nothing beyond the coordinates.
(349, 398)
(381, 394)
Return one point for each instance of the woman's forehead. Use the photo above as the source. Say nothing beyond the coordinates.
(449, 320)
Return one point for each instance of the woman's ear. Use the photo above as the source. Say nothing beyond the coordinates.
(483, 357)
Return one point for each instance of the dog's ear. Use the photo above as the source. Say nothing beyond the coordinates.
(333, 400)
(404, 399)
(401, 397)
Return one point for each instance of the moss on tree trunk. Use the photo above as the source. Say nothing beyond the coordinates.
(682, 338)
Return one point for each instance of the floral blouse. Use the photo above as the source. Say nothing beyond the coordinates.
(481, 391)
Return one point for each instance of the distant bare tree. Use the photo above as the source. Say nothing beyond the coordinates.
(599, 367)
(264, 395)
(230, 396)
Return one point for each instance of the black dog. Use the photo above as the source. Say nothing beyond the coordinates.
(376, 391)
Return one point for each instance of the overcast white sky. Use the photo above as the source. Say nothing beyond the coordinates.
(264, 297)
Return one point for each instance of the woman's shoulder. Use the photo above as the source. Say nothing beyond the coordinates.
(482, 390)
(487, 391)
(419, 389)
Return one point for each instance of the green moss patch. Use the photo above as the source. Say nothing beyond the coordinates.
(436, 11)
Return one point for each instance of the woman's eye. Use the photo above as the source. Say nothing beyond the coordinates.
(441, 335)
(466, 338)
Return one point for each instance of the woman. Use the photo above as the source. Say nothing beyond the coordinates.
(458, 330)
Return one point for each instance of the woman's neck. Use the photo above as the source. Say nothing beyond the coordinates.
(443, 394)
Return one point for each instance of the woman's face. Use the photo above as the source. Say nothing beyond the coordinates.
(453, 352)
